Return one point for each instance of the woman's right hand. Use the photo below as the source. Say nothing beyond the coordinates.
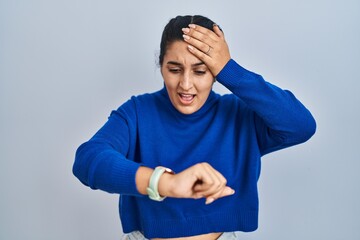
(209, 46)
(198, 181)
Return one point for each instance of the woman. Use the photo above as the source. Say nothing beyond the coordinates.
(186, 160)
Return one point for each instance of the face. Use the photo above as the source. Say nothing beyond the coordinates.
(187, 79)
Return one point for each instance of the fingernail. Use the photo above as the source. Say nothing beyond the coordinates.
(232, 191)
(186, 37)
(209, 200)
(192, 26)
(185, 30)
(215, 25)
(191, 48)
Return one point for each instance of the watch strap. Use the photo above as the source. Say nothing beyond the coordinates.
(152, 190)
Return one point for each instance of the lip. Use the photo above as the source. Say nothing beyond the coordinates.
(186, 98)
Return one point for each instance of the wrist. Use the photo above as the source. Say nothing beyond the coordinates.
(153, 188)
(165, 186)
(142, 179)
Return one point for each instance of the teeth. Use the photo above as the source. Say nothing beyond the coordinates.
(187, 96)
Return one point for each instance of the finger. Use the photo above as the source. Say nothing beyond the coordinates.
(207, 182)
(199, 31)
(226, 192)
(218, 31)
(214, 191)
(218, 188)
(205, 186)
(220, 179)
(199, 54)
(199, 39)
(205, 48)
(214, 184)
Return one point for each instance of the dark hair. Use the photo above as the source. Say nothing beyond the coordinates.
(172, 31)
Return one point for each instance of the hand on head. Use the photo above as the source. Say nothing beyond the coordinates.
(209, 46)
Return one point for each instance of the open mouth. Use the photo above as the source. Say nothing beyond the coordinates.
(186, 98)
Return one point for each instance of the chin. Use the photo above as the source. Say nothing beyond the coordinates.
(185, 110)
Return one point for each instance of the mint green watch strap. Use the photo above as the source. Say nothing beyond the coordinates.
(152, 190)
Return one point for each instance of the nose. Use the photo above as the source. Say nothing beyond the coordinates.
(186, 82)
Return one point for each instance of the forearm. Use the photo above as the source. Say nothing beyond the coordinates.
(279, 109)
(101, 167)
(142, 179)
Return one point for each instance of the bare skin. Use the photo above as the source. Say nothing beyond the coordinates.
(201, 39)
(198, 181)
(188, 70)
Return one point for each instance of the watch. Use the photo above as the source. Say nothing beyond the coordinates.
(152, 190)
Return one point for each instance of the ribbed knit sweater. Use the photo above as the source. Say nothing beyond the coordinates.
(231, 132)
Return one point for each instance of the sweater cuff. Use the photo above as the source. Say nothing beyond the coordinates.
(124, 177)
(232, 73)
(114, 174)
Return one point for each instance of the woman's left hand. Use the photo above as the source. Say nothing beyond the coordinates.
(210, 47)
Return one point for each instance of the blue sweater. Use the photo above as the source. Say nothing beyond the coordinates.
(230, 132)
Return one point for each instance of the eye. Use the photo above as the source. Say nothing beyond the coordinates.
(174, 70)
(199, 72)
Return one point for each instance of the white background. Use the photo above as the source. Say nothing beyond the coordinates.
(64, 65)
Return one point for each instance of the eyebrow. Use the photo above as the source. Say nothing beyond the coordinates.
(179, 64)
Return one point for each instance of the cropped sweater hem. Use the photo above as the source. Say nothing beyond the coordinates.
(226, 221)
